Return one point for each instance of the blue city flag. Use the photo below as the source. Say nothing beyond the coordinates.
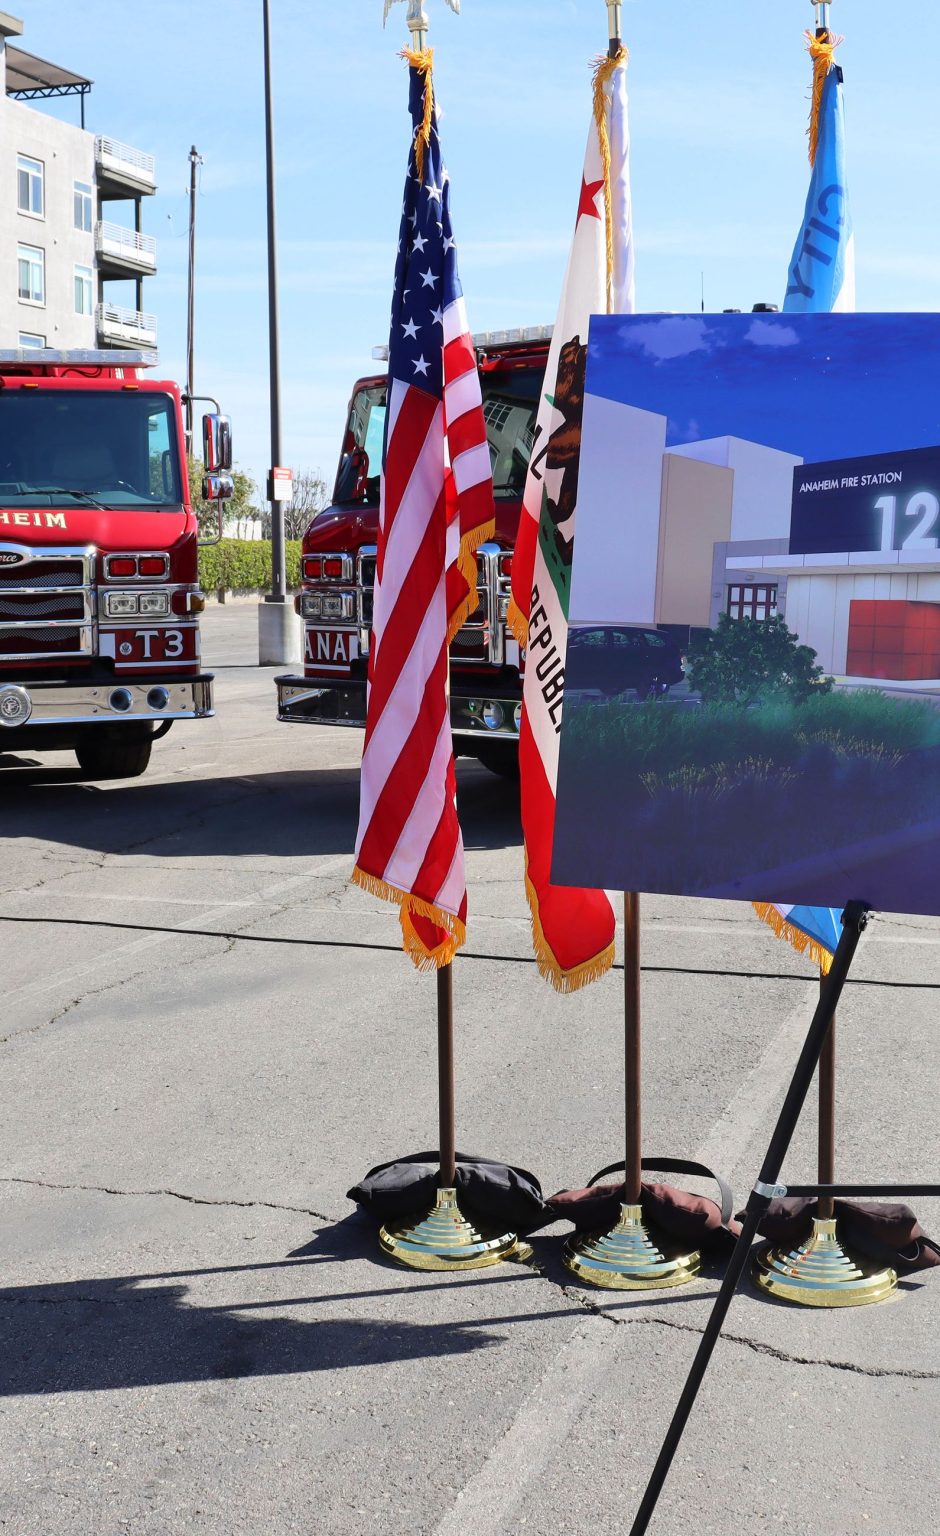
(821, 280)
(822, 269)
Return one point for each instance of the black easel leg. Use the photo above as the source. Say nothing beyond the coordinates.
(854, 919)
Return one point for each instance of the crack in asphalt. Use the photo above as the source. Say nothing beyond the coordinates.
(757, 1346)
(69, 1007)
(172, 1194)
(570, 1293)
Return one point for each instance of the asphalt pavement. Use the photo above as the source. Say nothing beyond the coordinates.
(209, 1035)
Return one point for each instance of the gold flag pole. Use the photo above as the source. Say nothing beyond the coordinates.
(631, 1256)
(443, 1238)
(820, 1271)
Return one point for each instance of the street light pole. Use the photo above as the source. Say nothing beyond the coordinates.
(277, 640)
(195, 159)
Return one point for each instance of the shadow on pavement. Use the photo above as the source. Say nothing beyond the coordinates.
(130, 1331)
(293, 814)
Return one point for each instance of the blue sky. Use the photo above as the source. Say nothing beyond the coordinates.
(719, 103)
(820, 386)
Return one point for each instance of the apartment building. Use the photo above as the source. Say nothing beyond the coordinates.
(73, 255)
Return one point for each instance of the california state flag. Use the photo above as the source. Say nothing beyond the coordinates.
(573, 930)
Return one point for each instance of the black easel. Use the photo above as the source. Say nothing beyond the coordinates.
(767, 1188)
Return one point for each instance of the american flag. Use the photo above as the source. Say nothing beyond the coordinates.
(436, 507)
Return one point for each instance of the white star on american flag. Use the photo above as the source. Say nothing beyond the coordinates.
(420, 366)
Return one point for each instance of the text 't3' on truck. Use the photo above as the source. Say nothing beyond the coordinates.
(339, 553)
(99, 585)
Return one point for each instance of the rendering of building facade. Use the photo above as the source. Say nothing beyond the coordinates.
(74, 255)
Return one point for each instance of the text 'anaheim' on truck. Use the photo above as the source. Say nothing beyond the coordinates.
(339, 553)
(99, 582)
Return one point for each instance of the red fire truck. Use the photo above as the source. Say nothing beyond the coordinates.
(339, 552)
(99, 586)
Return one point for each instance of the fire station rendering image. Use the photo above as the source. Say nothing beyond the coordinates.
(800, 753)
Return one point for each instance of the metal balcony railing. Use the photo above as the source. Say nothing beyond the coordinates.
(117, 324)
(125, 161)
(125, 245)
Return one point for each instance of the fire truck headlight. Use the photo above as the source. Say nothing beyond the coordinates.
(492, 715)
(311, 605)
(154, 602)
(118, 604)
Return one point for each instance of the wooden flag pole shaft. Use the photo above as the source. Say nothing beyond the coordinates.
(445, 1077)
(632, 1049)
(827, 1118)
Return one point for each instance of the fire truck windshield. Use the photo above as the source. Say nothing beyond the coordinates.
(119, 447)
(510, 401)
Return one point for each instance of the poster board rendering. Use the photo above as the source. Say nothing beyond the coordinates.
(752, 699)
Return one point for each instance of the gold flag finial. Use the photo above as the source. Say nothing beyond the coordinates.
(417, 20)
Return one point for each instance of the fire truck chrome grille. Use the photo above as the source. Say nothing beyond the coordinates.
(64, 605)
(57, 586)
(480, 638)
(21, 641)
(42, 573)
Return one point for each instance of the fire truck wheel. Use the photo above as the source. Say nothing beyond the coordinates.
(117, 754)
(500, 757)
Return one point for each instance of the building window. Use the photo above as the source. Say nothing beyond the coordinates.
(83, 296)
(31, 270)
(81, 199)
(29, 186)
(752, 602)
(31, 340)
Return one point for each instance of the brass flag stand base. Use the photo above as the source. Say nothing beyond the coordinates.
(820, 1273)
(629, 1257)
(444, 1239)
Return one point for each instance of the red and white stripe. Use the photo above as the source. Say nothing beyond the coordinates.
(436, 505)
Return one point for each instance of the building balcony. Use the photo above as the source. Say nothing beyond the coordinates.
(121, 251)
(120, 327)
(123, 171)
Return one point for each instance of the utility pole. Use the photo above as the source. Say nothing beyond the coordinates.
(278, 632)
(194, 160)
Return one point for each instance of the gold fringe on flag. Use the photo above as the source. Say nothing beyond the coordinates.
(605, 67)
(822, 52)
(563, 981)
(517, 623)
(467, 566)
(801, 941)
(423, 62)
(410, 905)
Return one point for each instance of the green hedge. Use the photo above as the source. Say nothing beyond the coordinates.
(245, 564)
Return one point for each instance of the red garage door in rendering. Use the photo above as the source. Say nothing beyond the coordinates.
(894, 640)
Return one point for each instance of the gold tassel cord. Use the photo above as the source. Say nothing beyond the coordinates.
(822, 51)
(801, 941)
(411, 905)
(579, 975)
(605, 68)
(423, 62)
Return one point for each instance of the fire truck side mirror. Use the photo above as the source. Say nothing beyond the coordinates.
(217, 443)
(217, 487)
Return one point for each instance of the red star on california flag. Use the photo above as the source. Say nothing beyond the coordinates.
(588, 205)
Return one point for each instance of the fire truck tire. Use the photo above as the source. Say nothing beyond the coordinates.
(107, 754)
(500, 757)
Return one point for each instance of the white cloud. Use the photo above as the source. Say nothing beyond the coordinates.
(771, 333)
(671, 336)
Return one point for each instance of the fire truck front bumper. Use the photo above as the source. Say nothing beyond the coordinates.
(39, 706)
(487, 713)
